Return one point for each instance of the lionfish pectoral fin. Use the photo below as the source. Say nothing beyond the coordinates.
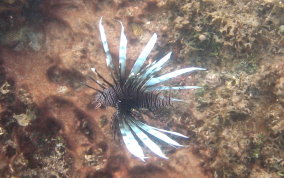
(146, 140)
(170, 132)
(160, 63)
(143, 55)
(130, 142)
(109, 60)
(122, 53)
(159, 135)
(176, 100)
(156, 66)
(160, 88)
(170, 75)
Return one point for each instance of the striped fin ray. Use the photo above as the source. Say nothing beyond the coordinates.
(176, 99)
(170, 132)
(146, 140)
(160, 88)
(97, 82)
(157, 134)
(170, 75)
(131, 144)
(109, 60)
(173, 99)
(100, 76)
(122, 53)
(155, 67)
(143, 55)
(150, 70)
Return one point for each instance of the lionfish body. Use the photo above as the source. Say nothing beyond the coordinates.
(135, 90)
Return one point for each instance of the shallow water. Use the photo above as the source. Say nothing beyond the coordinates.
(49, 127)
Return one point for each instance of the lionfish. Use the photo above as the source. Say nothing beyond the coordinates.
(134, 90)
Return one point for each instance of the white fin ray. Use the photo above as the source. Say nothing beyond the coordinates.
(131, 144)
(147, 141)
(122, 52)
(170, 75)
(156, 66)
(109, 60)
(160, 88)
(176, 99)
(100, 76)
(157, 134)
(149, 71)
(143, 55)
(172, 99)
(170, 132)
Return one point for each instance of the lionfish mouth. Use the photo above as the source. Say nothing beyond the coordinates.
(136, 89)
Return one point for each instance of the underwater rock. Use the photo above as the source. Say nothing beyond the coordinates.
(279, 90)
(25, 119)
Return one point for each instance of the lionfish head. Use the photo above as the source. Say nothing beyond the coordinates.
(136, 89)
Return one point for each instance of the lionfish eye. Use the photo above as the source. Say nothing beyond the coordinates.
(140, 89)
